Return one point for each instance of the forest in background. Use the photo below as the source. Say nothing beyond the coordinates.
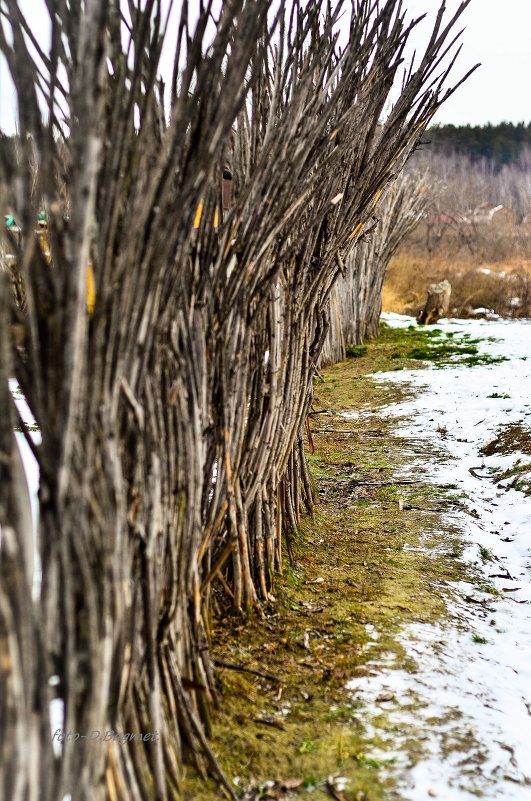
(502, 144)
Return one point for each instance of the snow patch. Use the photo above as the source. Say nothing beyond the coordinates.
(471, 693)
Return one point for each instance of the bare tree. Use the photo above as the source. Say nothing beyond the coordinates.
(463, 222)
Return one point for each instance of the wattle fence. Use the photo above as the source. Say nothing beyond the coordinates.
(171, 390)
(356, 297)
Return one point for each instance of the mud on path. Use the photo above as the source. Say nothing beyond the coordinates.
(339, 703)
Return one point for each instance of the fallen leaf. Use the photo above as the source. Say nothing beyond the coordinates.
(270, 721)
(386, 697)
(310, 606)
(291, 784)
(332, 789)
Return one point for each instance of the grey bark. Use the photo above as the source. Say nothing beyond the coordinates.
(356, 299)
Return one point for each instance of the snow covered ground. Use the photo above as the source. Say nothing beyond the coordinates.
(471, 694)
(470, 699)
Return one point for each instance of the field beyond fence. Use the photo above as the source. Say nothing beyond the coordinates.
(479, 286)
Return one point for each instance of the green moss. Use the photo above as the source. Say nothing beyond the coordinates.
(488, 588)
(438, 352)
(308, 747)
(414, 344)
(473, 361)
(355, 351)
(485, 554)
(374, 763)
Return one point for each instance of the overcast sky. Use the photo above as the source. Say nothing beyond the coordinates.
(498, 34)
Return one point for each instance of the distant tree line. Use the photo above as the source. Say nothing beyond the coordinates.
(501, 144)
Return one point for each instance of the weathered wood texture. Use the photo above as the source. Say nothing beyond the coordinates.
(356, 298)
(437, 303)
(169, 347)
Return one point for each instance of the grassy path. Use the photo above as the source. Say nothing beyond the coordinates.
(380, 553)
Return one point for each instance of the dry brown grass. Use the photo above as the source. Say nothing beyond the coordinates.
(503, 287)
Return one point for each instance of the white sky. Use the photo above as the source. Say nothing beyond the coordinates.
(498, 34)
